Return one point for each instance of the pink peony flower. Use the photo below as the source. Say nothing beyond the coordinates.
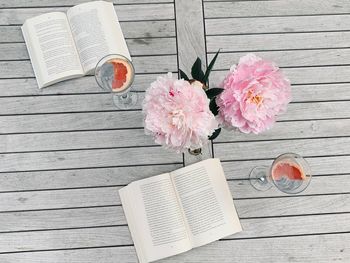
(254, 93)
(177, 114)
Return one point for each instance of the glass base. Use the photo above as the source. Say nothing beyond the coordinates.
(125, 101)
(259, 178)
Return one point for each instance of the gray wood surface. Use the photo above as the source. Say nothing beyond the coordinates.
(65, 150)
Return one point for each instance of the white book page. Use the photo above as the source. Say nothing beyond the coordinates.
(97, 33)
(206, 201)
(51, 48)
(155, 218)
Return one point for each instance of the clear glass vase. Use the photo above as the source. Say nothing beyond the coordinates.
(200, 154)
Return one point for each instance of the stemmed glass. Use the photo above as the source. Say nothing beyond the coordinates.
(289, 172)
(115, 73)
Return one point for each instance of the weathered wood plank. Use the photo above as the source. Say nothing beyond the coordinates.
(119, 235)
(103, 102)
(113, 216)
(278, 41)
(291, 58)
(107, 216)
(71, 122)
(116, 119)
(137, 12)
(275, 8)
(238, 170)
(152, 46)
(54, 199)
(74, 140)
(63, 103)
(292, 130)
(78, 178)
(297, 205)
(321, 249)
(303, 75)
(302, 93)
(190, 33)
(332, 184)
(256, 25)
(62, 219)
(319, 165)
(46, 3)
(191, 44)
(87, 84)
(108, 196)
(136, 137)
(64, 239)
(58, 199)
(271, 149)
(315, 110)
(138, 29)
(86, 158)
(148, 64)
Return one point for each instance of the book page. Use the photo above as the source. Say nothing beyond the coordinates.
(155, 219)
(51, 48)
(206, 201)
(97, 33)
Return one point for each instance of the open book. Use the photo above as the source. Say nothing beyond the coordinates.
(174, 212)
(64, 46)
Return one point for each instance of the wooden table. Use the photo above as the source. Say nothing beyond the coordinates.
(65, 150)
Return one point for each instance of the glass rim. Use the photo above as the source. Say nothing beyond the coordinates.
(309, 175)
(111, 56)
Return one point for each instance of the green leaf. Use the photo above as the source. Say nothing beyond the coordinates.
(212, 93)
(213, 107)
(196, 71)
(210, 67)
(183, 75)
(215, 134)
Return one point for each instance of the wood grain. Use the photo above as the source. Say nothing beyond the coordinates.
(45, 3)
(191, 45)
(119, 235)
(80, 178)
(108, 196)
(103, 102)
(17, 16)
(85, 85)
(275, 8)
(262, 25)
(137, 29)
(292, 58)
(263, 42)
(86, 158)
(321, 249)
(320, 166)
(139, 46)
(303, 75)
(190, 31)
(111, 176)
(150, 64)
(74, 140)
(113, 218)
(71, 122)
(136, 137)
(271, 149)
(116, 119)
(292, 130)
